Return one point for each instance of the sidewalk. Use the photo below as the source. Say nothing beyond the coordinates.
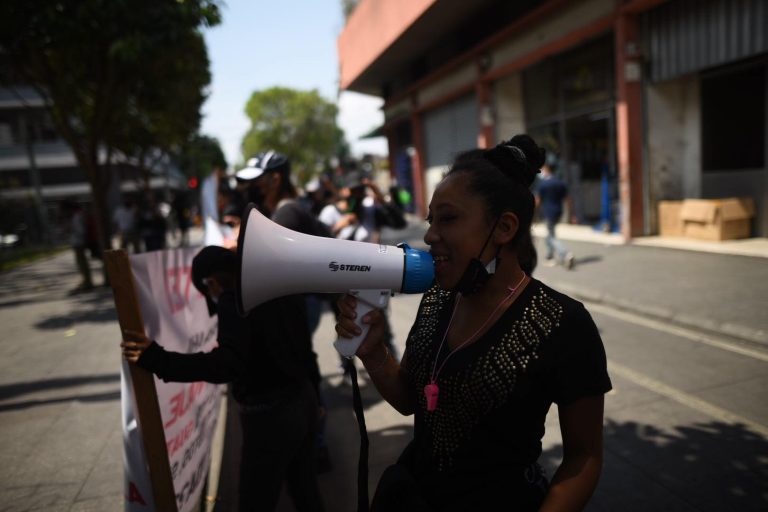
(60, 433)
(757, 247)
(711, 286)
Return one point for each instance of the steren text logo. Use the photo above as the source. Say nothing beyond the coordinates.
(335, 267)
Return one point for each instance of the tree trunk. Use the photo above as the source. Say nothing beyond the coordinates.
(99, 178)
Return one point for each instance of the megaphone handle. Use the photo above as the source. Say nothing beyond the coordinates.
(366, 301)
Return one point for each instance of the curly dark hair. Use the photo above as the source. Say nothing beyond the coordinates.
(502, 176)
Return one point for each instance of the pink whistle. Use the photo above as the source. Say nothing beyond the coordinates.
(431, 391)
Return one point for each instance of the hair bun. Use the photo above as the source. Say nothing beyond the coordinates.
(519, 158)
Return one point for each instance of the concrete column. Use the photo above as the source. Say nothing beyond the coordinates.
(629, 125)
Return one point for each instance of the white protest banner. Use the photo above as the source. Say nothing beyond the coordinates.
(175, 315)
(137, 488)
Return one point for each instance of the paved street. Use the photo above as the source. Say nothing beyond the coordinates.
(686, 425)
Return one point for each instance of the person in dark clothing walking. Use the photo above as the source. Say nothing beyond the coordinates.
(152, 227)
(550, 193)
(183, 217)
(269, 360)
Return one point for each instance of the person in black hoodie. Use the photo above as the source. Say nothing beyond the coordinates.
(268, 358)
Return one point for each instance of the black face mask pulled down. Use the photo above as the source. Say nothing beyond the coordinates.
(476, 274)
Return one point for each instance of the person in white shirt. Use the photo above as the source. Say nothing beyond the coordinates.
(353, 216)
(124, 219)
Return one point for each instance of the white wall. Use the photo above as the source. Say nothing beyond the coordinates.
(674, 140)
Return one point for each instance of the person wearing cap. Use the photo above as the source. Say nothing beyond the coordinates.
(267, 180)
(268, 358)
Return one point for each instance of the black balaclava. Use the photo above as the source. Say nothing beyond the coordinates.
(208, 261)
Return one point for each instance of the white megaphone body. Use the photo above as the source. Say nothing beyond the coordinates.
(275, 261)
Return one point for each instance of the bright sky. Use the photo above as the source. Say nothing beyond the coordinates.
(291, 43)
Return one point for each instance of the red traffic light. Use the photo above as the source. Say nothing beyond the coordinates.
(192, 182)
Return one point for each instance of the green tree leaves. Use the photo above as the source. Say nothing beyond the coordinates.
(200, 155)
(300, 124)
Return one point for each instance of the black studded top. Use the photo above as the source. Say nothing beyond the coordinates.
(495, 393)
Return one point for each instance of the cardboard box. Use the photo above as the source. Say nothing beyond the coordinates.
(717, 219)
(670, 222)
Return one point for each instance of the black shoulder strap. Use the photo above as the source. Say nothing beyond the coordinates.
(362, 463)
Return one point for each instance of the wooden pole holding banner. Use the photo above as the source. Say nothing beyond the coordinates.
(147, 406)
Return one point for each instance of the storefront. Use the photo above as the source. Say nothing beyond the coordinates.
(569, 108)
(640, 100)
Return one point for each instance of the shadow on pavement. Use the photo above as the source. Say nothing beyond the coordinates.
(21, 388)
(96, 307)
(585, 260)
(96, 397)
(103, 314)
(708, 466)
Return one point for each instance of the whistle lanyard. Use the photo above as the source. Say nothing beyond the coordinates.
(432, 390)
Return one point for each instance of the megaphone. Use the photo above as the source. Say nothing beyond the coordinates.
(275, 261)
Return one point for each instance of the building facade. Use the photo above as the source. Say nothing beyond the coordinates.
(38, 170)
(639, 100)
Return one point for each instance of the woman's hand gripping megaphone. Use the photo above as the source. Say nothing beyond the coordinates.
(360, 325)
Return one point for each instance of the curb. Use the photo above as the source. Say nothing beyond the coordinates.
(696, 323)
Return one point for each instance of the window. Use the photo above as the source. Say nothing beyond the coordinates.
(9, 131)
(6, 137)
(733, 119)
